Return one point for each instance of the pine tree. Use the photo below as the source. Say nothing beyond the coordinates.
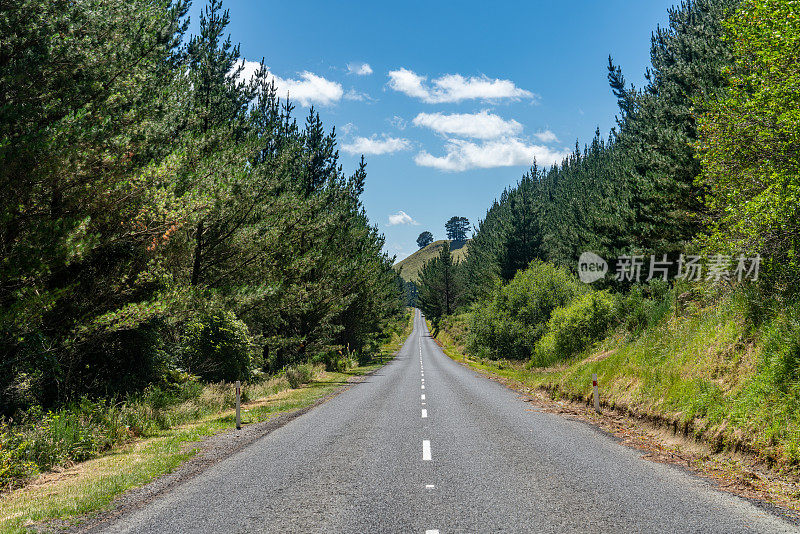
(424, 239)
(457, 228)
(439, 287)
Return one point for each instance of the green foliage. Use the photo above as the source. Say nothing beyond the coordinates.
(510, 325)
(217, 347)
(782, 351)
(749, 143)
(299, 374)
(457, 228)
(424, 239)
(146, 183)
(439, 288)
(575, 327)
(645, 305)
(635, 191)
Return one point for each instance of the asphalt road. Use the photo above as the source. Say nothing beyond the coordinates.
(426, 445)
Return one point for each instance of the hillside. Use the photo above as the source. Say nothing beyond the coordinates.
(413, 264)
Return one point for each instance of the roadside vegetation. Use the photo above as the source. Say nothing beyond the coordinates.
(167, 226)
(174, 428)
(703, 163)
(42, 441)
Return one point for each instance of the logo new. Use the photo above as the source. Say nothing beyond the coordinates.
(591, 267)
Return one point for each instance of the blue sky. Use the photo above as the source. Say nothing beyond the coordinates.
(449, 102)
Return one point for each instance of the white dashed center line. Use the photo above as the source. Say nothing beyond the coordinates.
(426, 450)
(422, 397)
(424, 413)
(429, 531)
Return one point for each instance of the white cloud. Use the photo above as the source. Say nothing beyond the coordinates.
(361, 69)
(546, 137)
(249, 70)
(352, 94)
(408, 82)
(376, 146)
(398, 122)
(349, 128)
(309, 89)
(401, 217)
(504, 152)
(483, 125)
(454, 87)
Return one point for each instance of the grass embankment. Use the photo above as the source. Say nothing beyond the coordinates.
(410, 267)
(92, 485)
(707, 373)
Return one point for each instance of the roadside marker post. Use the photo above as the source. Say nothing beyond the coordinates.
(596, 393)
(238, 405)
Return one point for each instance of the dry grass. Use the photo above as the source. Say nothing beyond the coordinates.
(411, 266)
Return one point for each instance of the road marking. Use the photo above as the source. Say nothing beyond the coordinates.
(424, 413)
(431, 531)
(423, 386)
(423, 404)
(429, 486)
(426, 450)
(422, 397)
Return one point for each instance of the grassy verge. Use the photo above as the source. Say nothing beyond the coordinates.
(705, 374)
(92, 485)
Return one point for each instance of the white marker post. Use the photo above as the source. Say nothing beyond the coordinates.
(238, 405)
(596, 393)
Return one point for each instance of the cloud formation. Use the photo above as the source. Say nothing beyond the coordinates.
(401, 217)
(360, 69)
(307, 90)
(376, 146)
(454, 87)
(483, 125)
(503, 152)
(354, 95)
(546, 137)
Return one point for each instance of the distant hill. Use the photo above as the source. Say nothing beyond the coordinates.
(412, 265)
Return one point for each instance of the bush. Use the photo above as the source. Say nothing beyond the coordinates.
(782, 351)
(511, 323)
(645, 305)
(575, 327)
(298, 375)
(217, 347)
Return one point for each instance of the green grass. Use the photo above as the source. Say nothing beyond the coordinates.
(706, 373)
(92, 485)
(410, 267)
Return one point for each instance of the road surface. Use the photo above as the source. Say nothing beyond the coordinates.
(426, 445)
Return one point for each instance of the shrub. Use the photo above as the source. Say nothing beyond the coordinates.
(299, 374)
(510, 324)
(217, 347)
(645, 305)
(782, 351)
(574, 327)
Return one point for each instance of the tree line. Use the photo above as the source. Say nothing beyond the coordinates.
(161, 214)
(703, 159)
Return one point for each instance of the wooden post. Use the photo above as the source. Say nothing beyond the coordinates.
(238, 405)
(596, 393)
